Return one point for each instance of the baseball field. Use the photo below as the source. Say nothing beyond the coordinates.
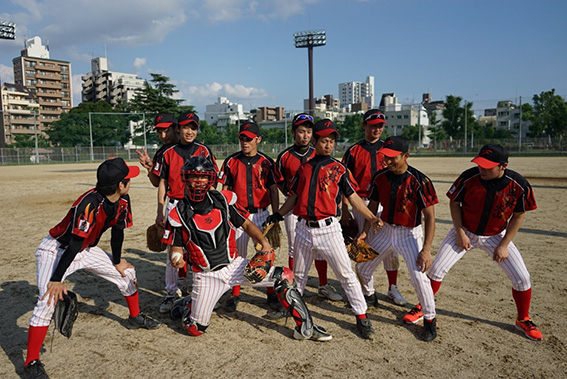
(476, 333)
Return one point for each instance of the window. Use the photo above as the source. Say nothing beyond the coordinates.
(65, 77)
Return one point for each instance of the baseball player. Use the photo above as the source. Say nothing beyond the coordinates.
(71, 245)
(171, 186)
(166, 127)
(315, 196)
(249, 173)
(405, 194)
(204, 223)
(286, 167)
(488, 204)
(364, 159)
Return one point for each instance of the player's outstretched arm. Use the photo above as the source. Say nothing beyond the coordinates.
(358, 204)
(457, 217)
(256, 234)
(424, 256)
(288, 205)
(161, 197)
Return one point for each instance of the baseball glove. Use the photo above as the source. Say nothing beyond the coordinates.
(273, 233)
(259, 266)
(360, 251)
(66, 312)
(153, 238)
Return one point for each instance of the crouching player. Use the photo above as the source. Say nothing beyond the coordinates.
(201, 223)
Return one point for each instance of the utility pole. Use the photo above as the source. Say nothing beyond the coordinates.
(520, 129)
(466, 116)
(309, 40)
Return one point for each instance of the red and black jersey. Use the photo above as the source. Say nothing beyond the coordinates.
(288, 162)
(364, 160)
(487, 205)
(250, 178)
(90, 216)
(173, 159)
(320, 185)
(158, 156)
(204, 229)
(403, 196)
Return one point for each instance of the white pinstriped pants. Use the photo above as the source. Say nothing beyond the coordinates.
(449, 254)
(328, 242)
(92, 259)
(391, 262)
(242, 238)
(290, 221)
(208, 288)
(408, 243)
(171, 273)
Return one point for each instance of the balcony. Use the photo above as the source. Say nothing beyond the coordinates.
(51, 67)
(49, 94)
(48, 76)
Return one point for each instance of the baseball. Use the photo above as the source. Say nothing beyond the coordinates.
(176, 256)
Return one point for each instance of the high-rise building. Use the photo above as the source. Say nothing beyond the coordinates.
(357, 92)
(19, 112)
(223, 113)
(110, 86)
(48, 80)
(268, 114)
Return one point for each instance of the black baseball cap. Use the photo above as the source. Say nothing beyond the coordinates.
(113, 171)
(394, 146)
(249, 129)
(187, 117)
(302, 118)
(491, 155)
(325, 127)
(164, 120)
(374, 117)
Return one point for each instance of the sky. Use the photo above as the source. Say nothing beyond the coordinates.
(481, 50)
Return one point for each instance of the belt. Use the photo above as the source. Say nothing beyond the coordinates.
(256, 210)
(318, 223)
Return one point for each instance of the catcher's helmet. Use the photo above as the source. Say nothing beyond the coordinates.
(192, 170)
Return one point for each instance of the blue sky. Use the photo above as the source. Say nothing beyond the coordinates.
(483, 51)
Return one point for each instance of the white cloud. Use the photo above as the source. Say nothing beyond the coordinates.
(231, 10)
(139, 62)
(6, 74)
(200, 96)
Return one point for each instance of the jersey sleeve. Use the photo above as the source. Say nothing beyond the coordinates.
(237, 215)
(225, 176)
(457, 190)
(527, 200)
(348, 184)
(84, 218)
(428, 193)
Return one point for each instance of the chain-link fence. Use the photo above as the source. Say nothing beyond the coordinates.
(17, 156)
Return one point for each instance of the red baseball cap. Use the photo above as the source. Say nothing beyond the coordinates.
(164, 120)
(374, 117)
(187, 117)
(325, 127)
(113, 171)
(394, 146)
(249, 129)
(491, 155)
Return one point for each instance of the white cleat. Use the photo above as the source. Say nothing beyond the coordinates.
(329, 292)
(396, 296)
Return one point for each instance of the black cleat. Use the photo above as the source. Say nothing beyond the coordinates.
(231, 304)
(371, 300)
(429, 330)
(143, 321)
(35, 370)
(365, 328)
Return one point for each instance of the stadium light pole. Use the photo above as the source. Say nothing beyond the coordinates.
(310, 39)
(7, 30)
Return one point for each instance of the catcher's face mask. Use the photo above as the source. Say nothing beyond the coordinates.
(198, 183)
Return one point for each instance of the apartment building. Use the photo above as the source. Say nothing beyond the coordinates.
(48, 80)
(223, 113)
(19, 113)
(268, 114)
(110, 86)
(357, 92)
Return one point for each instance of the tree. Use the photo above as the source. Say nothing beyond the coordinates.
(210, 134)
(411, 132)
(156, 97)
(454, 118)
(72, 128)
(351, 128)
(28, 140)
(548, 115)
(436, 132)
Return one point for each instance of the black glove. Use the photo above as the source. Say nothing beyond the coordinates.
(273, 218)
(66, 312)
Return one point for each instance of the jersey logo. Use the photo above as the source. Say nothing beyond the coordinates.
(452, 189)
(208, 220)
(86, 219)
(331, 175)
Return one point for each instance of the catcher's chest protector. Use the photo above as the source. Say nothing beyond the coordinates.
(209, 243)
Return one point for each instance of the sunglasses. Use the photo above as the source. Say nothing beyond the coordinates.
(375, 116)
(303, 117)
(244, 138)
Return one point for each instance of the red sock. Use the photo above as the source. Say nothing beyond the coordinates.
(236, 291)
(36, 336)
(290, 263)
(361, 317)
(392, 278)
(522, 300)
(270, 291)
(435, 285)
(133, 304)
(321, 267)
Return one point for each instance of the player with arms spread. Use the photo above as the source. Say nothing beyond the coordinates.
(203, 223)
(488, 204)
(287, 164)
(72, 245)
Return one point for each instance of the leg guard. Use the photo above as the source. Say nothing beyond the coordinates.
(290, 298)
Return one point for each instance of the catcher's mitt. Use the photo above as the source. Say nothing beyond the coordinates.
(66, 312)
(153, 238)
(360, 251)
(273, 233)
(259, 266)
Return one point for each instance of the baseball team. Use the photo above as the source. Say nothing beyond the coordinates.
(207, 230)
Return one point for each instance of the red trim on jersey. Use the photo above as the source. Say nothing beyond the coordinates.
(364, 160)
(403, 196)
(287, 165)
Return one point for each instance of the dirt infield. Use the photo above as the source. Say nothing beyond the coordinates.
(476, 334)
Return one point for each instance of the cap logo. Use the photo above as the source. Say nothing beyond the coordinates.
(159, 118)
(328, 124)
(245, 126)
(487, 152)
(389, 142)
(190, 115)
